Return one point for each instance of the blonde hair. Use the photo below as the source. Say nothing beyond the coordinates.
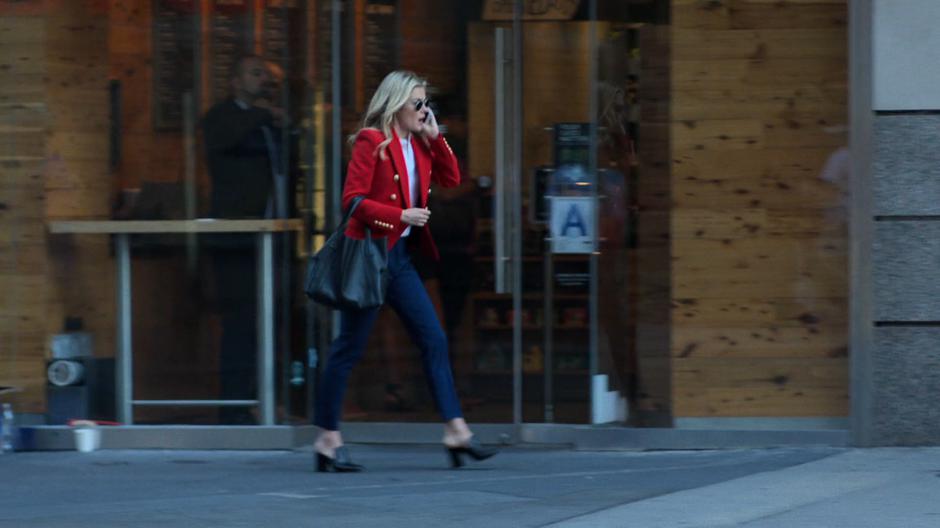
(392, 94)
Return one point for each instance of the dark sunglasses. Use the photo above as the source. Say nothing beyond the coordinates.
(421, 103)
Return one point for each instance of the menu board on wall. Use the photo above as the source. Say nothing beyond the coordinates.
(174, 35)
(230, 35)
(572, 144)
(380, 43)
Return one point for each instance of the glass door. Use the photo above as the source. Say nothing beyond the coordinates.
(188, 80)
(555, 301)
(515, 90)
(540, 313)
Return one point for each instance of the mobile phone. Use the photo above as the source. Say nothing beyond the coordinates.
(428, 115)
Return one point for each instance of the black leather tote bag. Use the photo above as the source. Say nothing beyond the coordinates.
(347, 273)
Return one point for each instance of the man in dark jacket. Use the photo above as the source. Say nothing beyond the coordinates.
(242, 135)
(242, 145)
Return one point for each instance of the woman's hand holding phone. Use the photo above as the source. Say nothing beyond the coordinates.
(429, 127)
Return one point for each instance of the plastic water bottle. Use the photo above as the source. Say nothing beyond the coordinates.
(6, 429)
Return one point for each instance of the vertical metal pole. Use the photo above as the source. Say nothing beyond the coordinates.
(284, 246)
(499, 170)
(337, 104)
(265, 274)
(313, 160)
(548, 322)
(861, 224)
(189, 174)
(516, 218)
(337, 128)
(124, 373)
(189, 154)
(592, 170)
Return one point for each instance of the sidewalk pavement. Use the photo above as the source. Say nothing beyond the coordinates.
(876, 488)
(410, 486)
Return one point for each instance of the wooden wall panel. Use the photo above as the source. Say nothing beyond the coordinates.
(78, 182)
(759, 275)
(21, 51)
(759, 44)
(650, 267)
(23, 120)
(53, 158)
(766, 401)
(751, 14)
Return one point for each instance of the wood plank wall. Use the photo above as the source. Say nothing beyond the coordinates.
(77, 180)
(649, 267)
(54, 164)
(23, 115)
(759, 279)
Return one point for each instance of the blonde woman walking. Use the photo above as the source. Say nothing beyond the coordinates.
(396, 154)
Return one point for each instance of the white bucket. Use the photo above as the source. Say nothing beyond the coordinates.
(87, 439)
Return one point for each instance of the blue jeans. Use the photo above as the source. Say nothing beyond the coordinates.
(407, 296)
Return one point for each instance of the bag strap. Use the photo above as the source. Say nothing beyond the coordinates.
(352, 207)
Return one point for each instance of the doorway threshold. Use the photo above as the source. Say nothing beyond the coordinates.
(601, 437)
(578, 437)
(189, 437)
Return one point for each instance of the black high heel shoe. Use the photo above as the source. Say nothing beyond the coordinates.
(472, 449)
(340, 463)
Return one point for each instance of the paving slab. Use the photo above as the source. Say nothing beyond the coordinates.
(405, 486)
(860, 488)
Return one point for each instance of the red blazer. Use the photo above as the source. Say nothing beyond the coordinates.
(384, 184)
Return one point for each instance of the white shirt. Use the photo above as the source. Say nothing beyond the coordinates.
(409, 155)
